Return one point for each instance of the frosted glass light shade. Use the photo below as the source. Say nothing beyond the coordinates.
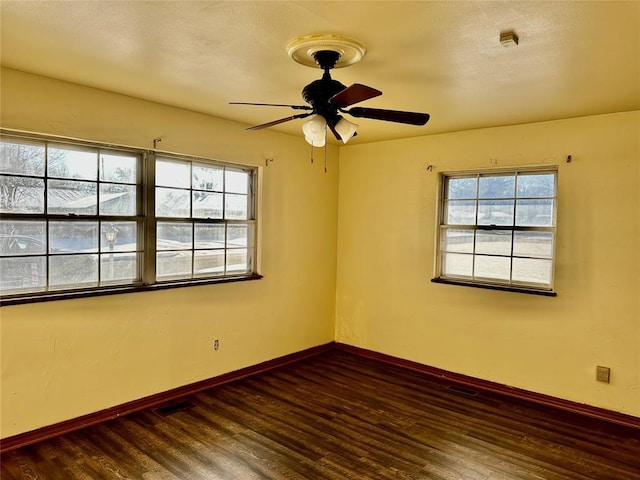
(316, 142)
(346, 129)
(315, 130)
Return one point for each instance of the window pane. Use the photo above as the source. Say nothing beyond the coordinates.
(67, 196)
(173, 265)
(460, 212)
(495, 212)
(23, 274)
(118, 237)
(536, 185)
(65, 162)
(21, 195)
(22, 237)
(502, 186)
(236, 207)
(209, 262)
(118, 168)
(493, 242)
(209, 236)
(208, 178)
(237, 260)
(533, 244)
(73, 236)
(460, 241)
(174, 236)
(534, 213)
(117, 199)
(457, 265)
(22, 158)
(236, 181)
(497, 268)
(532, 270)
(462, 188)
(172, 203)
(119, 268)
(237, 236)
(73, 271)
(173, 174)
(207, 205)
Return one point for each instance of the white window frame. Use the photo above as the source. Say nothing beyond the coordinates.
(483, 282)
(145, 218)
(195, 221)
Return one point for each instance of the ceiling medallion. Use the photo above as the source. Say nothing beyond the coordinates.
(302, 49)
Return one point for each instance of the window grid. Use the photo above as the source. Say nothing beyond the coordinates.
(476, 226)
(198, 220)
(71, 196)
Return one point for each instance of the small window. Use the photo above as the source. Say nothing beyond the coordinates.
(498, 230)
(205, 220)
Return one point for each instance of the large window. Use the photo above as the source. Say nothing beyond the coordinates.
(84, 218)
(498, 229)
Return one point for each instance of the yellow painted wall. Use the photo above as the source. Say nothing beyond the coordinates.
(67, 358)
(386, 231)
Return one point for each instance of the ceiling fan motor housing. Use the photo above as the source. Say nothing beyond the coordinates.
(319, 92)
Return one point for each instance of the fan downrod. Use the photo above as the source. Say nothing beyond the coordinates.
(318, 92)
(326, 59)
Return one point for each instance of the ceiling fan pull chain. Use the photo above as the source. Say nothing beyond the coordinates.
(312, 151)
(325, 157)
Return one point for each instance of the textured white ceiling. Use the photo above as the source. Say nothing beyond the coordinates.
(444, 58)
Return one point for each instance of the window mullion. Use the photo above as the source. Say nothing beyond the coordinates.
(149, 211)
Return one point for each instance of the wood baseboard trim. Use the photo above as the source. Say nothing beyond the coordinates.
(486, 385)
(28, 438)
(34, 436)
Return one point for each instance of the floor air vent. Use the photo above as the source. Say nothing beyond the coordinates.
(464, 390)
(173, 408)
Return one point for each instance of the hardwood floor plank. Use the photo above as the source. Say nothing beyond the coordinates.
(337, 416)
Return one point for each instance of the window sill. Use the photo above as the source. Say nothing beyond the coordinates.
(503, 288)
(99, 292)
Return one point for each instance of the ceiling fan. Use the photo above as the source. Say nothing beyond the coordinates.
(327, 98)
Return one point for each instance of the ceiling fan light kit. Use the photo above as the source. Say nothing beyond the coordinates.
(315, 131)
(327, 98)
(346, 129)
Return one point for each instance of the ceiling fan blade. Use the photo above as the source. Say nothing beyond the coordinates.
(277, 122)
(354, 94)
(412, 118)
(295, 107)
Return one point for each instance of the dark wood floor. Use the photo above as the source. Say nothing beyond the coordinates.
(337, 416)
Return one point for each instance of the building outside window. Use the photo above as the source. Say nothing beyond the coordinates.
(498, 229)
(80, 217)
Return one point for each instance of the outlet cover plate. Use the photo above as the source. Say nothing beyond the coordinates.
(603, 374)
